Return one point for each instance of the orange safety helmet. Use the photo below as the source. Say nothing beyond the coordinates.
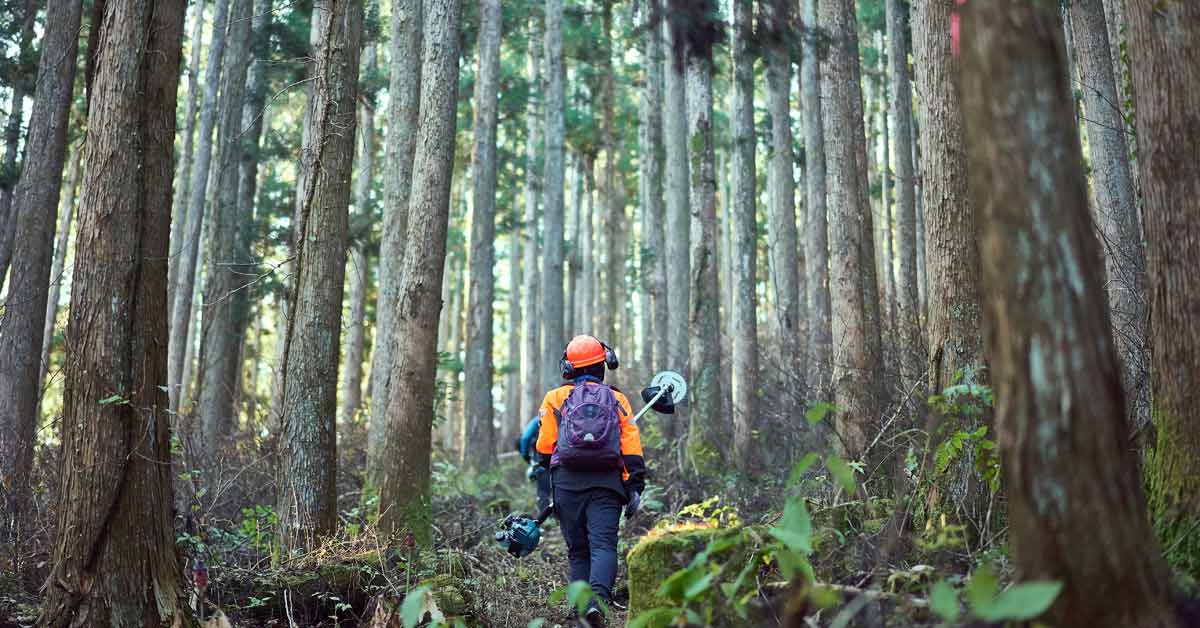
(585, 351)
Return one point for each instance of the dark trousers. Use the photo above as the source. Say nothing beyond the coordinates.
(543, 491)
(589, 521)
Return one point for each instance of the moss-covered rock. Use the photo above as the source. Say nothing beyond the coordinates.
(663, 552)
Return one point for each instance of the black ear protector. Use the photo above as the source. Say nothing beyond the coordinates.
(611, 361)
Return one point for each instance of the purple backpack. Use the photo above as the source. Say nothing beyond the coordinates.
(589, 430)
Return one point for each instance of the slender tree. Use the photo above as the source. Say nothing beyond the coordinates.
(1115, 210)
(515, 416)
(479, 446)
(307, 504)
(614, 222)
(404, 95)
(1055, 366)
(183, 172)
(678, 220)
(531, 355)
(1165, 41)
(404, 486)
(189, 238)
(12, 139)
(650, 182)
(744, 253)
(22, 320)
(66, 214)
(115, 558)
(226, 311)
(816, 237)
(553, 334)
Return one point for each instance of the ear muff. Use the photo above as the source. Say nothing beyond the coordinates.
(610, 357)
(565, 367)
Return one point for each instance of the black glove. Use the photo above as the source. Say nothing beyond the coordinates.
(635, 504)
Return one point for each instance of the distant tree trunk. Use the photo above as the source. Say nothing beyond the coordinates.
(12, 141)
(404, 96)
(908, 311)
(454, 343)
(851, 285)
(359, 269)
(708, 430)
(589, 291)
(787, 278)
(115, 561)
(189, 237)
(614, 221)
(255, 117)
(553, 335)
(1165, 42)
(1116, 210)
(479, 446)
(308, 462)
(744, 227)
(404, 487)
(574, 304)
(66, 214)
(679, 217)
(226, 310)
(531, 355)
(954, 321)
(23, 316)
(887, 279)
(514, 415)
(1055, 366)
(816, 239)
(650, 185)
(922, 287)
(183, 172)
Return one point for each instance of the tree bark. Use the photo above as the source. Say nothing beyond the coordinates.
(679, 217)
(183, 172)
(531, 356)
(9, 174)
(908, 310)
(554, 336)
(404, 96)
(22, 319)
(816, 239)
(308, 462)
(744, 251)
(654, 245)
(1164, 42)
(513, 420)
(1116, 210)
(479, 446)
(615, 221)
(708, 429)
(404, 487)
(66, 214)
(226, 310)
(115, 561)
(189, 239)
(887, 281)
(852, 285)
(1055, 367)
(954, 319)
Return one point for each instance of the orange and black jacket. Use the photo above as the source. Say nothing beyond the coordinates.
(631, 478)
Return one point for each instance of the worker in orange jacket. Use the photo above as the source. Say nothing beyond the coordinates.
(593, 451)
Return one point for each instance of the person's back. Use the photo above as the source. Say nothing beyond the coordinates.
(593, 451)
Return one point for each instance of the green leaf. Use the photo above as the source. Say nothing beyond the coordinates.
(981, 590)
(655, 618)
(415, 605)
(795, 528)
(676, 585)
(697, 587)
(818, 411)
(110, 400)
(579, 593)
(798, 471)
(842, 473)
(791, 563)
(1022, 602)
(944, 601)
(536, 623)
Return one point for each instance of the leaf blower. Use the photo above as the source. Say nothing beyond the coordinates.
(519, 535)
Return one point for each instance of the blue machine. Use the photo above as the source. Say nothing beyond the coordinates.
(520, 535)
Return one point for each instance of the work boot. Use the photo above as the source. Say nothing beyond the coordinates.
(594, 617)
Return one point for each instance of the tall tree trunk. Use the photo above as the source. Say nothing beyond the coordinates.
(404, 96)
(531, 356)
(1165, 41)
(574, 305)
(816, 238)
(708, 429)
(514, 415)
(954, 319)
(918, 192)
(9, 219)
(908, 310)
(308, 463)
(1116, 210)
(887, 279)
(588, 286)
(1055, 366)
(22, 318)
(744, 228)
(479, 446)
(183, 170)
(404, 486)
(679, 217)
(852, 286)
(359, 269)
(787, 278)
(553, 335)
(614, 221)
(189, 238)
(226, 310)
(650, 160)
(115, 561)
(66, 214)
